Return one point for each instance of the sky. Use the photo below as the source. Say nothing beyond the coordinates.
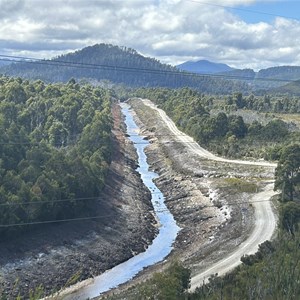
(241, 33)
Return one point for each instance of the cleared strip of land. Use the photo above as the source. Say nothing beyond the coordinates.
(265, 222)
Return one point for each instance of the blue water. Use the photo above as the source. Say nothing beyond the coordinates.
(161, 245)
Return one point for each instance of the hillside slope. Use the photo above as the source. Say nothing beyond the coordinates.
(204, 67)
(118, 65)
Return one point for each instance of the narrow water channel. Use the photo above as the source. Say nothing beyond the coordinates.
(162, 244)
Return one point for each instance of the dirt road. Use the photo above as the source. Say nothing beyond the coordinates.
(265, 222)
(194, 147)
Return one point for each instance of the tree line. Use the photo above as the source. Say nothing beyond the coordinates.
(266, 103)
(225, 132)
(55, 146)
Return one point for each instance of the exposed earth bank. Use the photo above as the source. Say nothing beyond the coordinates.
(210, 200)
(58, 255)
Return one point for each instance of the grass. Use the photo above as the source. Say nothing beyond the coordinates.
(241, 185)
(289, 117)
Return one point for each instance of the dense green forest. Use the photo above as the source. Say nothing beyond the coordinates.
(55, 147)
(214, 123)
(292, 88)
(118, 65)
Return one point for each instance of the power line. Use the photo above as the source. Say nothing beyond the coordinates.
(174, 72)
(54, 221)
(59, 200)
(60, 63)
(242, 9)
(109, 215)
(49, 201)
(62, 144)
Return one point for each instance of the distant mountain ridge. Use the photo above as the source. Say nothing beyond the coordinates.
(121, 65)
(204, 67)
(117, 65)
(292, 88)
(270, 78)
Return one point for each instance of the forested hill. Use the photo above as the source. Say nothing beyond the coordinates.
(98, 62)
(118, 65)
(54, 151)
(280, 73)
(292, 88)
(266, 79)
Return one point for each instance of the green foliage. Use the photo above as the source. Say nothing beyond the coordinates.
(272, 103)
(275, 130)
(172, 284)
(290, 216)
(37, 293)
(271, 274)
(224, 132)
(54, 145)
(241, 185)
(287, 173)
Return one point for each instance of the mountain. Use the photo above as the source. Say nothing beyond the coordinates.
(282, 73)
(267, 79)
(243, 74)
(292, 88)
(204, 67)
(4, 63)
(121, 65)
(118, 65)
(98, 62)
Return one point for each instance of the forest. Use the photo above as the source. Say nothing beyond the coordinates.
(55, 149)
(217, 123)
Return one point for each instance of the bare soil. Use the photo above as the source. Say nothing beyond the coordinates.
(209, 199)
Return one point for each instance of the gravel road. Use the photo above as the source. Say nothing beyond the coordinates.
(265, 221)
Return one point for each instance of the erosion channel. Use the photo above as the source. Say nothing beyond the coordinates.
(162, 244)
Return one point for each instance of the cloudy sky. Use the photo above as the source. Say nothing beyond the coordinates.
(241, 33)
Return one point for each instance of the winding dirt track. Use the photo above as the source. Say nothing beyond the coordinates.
(265, 222)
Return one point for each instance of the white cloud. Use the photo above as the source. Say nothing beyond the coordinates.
(170, 30)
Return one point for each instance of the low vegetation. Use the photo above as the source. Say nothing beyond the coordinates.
(169, 285)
